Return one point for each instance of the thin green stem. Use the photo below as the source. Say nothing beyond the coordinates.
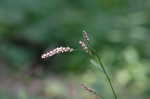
(107, 76)
(104, 70)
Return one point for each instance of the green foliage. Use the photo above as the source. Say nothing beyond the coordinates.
(119, 31)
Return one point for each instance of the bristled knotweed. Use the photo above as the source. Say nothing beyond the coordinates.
(85, 45)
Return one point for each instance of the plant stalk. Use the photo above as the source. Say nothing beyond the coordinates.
(107, 76)
(105, 73)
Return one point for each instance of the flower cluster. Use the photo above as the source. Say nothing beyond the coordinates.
(84, 46)
(85, 36)
(84, 43)
(55, 51)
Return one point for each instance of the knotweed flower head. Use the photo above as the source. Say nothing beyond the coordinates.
(85, 36)
(55, 51)
(84, 46)
(84, 43)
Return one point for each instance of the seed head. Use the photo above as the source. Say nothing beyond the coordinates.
(55, 51)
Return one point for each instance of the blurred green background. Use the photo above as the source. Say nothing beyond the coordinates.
(118, 31)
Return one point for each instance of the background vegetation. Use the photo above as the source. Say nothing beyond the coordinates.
(119, 31)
